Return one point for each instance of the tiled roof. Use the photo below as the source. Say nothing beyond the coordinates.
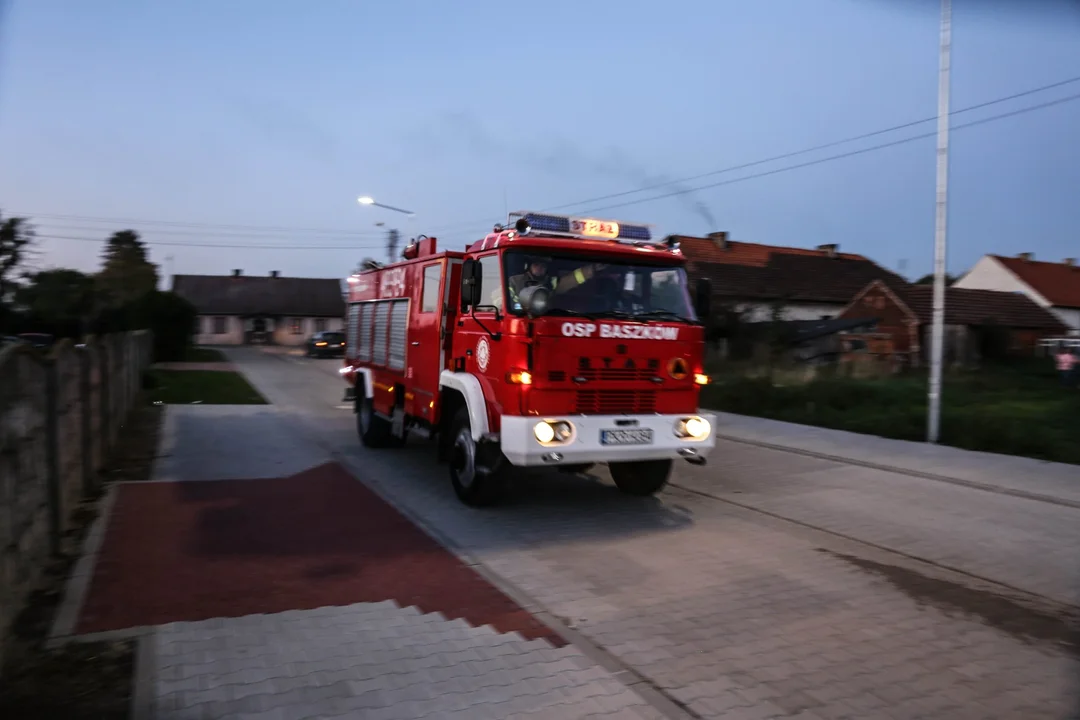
(743, 253)
(251, 295)
(765, 272)
(1057, 282)
(964, 306)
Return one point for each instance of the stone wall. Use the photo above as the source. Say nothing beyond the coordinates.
(60, 415)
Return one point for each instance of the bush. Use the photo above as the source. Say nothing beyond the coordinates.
(167, 315)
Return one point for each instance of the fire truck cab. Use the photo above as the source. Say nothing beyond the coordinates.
(553, 341)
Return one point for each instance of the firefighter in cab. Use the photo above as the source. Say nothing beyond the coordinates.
(536, 273)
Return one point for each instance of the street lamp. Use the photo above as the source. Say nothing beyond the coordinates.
(368, 200)
(392, 235)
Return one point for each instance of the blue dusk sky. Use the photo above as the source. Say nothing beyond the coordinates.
(238, 134)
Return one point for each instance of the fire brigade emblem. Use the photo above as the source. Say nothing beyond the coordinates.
(483, 354)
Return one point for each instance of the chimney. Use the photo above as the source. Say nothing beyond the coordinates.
(1026, 256)
(720, 239)
(829, 249)
(237, 273)
(1071, 262)
(274, 273)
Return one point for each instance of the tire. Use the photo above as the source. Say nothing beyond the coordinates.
(374, 431)
(473, 487)
(643, 478)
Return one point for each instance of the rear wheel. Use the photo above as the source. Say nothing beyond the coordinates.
(374, 431)
(477, 473)
(643, 478)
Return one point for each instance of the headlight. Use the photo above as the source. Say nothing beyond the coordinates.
(693, 428)
(553, 431)
(544, 432)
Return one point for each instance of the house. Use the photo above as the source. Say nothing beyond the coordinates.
(1052, 285)
(821, 342)
(239, 309)
(905, 312)
(803, 283)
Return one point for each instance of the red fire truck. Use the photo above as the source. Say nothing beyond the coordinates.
(553, 341)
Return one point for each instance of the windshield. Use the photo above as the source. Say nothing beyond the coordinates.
(597, 286)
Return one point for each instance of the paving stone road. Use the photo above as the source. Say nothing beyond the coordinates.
(738, 614)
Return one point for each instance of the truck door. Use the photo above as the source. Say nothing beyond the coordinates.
(426, 356)
(479, 352)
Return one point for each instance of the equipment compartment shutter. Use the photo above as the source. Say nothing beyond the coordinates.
(378, 342)
(364, 336)
(351, 330)
(399, 324)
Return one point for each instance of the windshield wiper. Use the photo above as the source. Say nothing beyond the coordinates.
(618, 314)
(563, 312)
(657, 314)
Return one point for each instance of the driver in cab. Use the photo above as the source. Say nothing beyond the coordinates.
(536, 274)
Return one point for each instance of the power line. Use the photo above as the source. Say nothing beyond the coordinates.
(344, 248)
(195, 233)
(825, 146)
(174, 223)
(260, 230)
(841, 156)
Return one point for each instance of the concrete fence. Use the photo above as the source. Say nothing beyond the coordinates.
(60, 415)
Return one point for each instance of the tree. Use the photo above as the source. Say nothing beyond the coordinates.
(61, 301)
(172, 320)
(16, 238)
(126, 274)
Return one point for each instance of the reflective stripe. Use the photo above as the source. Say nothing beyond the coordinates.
(579, 276)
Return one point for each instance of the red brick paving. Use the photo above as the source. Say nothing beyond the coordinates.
(225, 548)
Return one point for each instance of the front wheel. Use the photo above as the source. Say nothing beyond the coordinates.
(642, 478)
(478, 478)
(374, 431)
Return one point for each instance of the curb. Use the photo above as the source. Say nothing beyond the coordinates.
(144, 677)
(972, 484)
(78, 582)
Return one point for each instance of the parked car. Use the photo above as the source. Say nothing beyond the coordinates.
(329, 343)
(41, 341)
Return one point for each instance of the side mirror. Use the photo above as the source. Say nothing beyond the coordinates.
(534, 300)
(471, 284)
(703, 299)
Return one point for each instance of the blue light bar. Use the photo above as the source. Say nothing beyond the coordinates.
(548, 223)
(587, 228)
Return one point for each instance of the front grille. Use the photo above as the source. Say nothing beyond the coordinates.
(614, 402)
(616, 374)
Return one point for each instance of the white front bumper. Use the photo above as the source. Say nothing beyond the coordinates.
(521, 447)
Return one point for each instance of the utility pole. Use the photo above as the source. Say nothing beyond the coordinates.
(392, 238)
(937, 337)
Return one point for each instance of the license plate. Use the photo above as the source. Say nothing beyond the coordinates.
(626, 437)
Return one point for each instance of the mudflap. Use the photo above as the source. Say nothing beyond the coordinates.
(350, 395)
(398, 422)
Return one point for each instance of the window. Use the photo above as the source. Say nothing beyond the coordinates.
(320, 324)
(491, 288)
(296, 325)
(220, 325)
(430, 299)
